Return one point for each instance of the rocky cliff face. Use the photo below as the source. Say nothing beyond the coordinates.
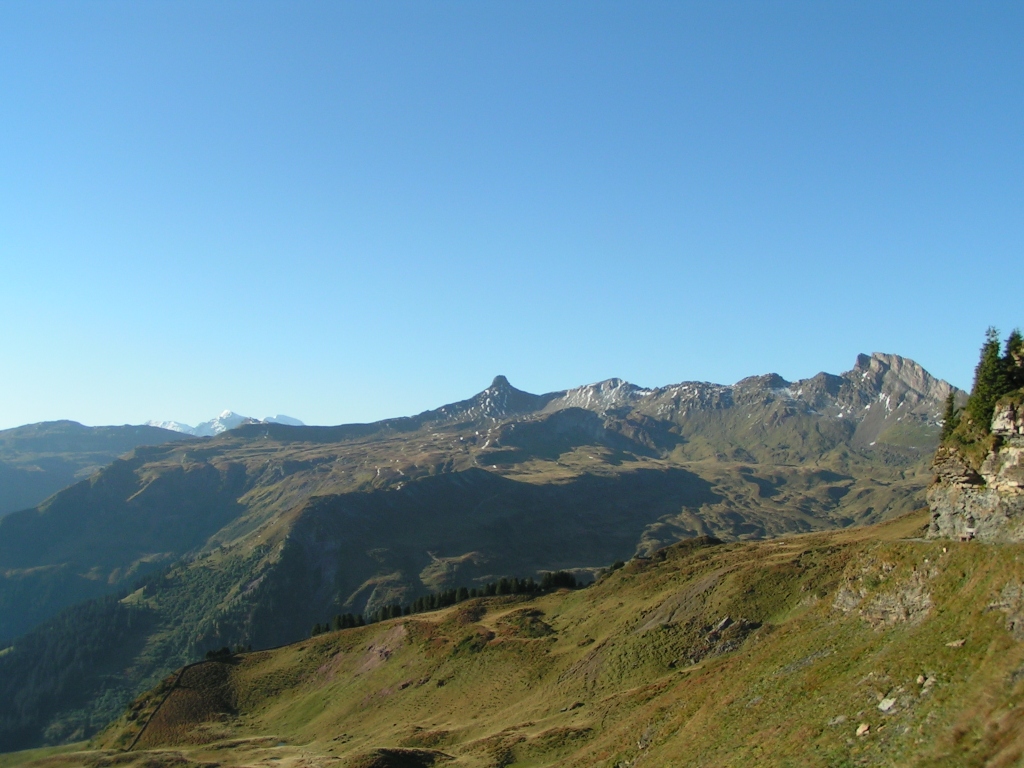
(988, 503)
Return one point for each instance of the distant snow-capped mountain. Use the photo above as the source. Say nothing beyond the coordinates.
(174, 426)
(227, 420)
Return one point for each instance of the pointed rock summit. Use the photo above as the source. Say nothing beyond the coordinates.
(500, 400)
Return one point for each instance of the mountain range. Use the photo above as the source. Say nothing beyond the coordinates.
(253, 535)
(222, 423)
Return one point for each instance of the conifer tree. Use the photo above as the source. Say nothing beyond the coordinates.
(950, 419)
(990, 381)
(1014, 359)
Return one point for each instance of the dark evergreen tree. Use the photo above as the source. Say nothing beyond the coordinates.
(990, 381)
(558, 580)
(950, 418)
(1014, 359)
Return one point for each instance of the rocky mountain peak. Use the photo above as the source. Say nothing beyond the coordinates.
(600, 396)
(767, 381)
(500, 400)
(888, 371)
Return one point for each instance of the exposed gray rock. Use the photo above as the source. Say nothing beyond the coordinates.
(1008, 421)
(904, 600)
(987, 504)
(1011, 602)
(909, 601)
(847, 598)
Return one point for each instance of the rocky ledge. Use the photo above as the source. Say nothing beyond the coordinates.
(988, 503)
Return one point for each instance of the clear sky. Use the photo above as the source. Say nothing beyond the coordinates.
(349, 211)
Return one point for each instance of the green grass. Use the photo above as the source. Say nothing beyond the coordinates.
(640, 667)
(35, 756)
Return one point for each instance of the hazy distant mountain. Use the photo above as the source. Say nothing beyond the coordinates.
(37, 460)
(266, 528)
(227, 420)
(282, 419)
(174, 426)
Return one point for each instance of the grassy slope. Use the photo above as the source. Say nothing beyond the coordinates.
(37, 460)
(630, 671)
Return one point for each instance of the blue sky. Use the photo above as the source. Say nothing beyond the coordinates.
(348, 211)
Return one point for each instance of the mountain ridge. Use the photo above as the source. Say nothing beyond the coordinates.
(37, 460)
(890, 374)
(227, 420)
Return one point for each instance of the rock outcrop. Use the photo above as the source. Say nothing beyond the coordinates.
(988, 503)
